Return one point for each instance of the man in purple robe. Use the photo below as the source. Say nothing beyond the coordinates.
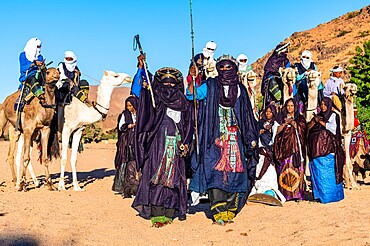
(162, 137)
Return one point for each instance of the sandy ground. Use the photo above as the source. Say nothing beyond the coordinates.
(98, 217)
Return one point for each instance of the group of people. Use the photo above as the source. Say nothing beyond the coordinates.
(179, 145)
(32, 78)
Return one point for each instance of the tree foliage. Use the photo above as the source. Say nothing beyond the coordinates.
(360, 75)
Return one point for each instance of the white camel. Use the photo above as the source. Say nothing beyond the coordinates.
(350, 90)
(313, 82)
(77, 115)
(288, 76)
(249, 80)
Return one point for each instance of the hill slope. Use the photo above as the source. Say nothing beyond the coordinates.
(332, 43)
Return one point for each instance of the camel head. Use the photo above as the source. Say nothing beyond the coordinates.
(115, 79)
(313, 79)
(350, 90)
(252, 79)
(52, 75)
(288, 75)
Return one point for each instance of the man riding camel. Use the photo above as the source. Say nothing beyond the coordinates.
(69, 72)
(334, 86)
(31, 79)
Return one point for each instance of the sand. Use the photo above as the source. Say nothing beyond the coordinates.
(96, 216)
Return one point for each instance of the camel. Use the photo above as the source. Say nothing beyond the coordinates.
(313, 82)
(249, 80)
(34, 117)
(358, 158)
(288, 76)
(350, 90)
(77, 115)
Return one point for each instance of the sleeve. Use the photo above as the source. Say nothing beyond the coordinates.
(121, 122)
(61, 71)
(274, 131)
(138, 82)
(327, 92)
(201, 92)
(331, 125)
(24, 65)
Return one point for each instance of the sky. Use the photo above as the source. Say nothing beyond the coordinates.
(101, 32)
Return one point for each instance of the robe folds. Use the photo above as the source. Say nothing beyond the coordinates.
(205, 176)
(152, 127)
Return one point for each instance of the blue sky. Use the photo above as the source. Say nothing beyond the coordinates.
(101, 32)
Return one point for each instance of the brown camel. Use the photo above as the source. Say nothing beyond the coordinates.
(350, 90)
(288, 76)
(34, 117)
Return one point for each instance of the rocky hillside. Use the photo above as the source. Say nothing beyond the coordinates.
(332, 43)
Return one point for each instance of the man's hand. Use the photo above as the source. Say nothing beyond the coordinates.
(194, 71)
(141, 59)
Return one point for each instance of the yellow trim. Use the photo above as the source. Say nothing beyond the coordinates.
(168, 75)
(221, 216)
(218, 205)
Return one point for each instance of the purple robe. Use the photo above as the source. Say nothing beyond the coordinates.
(151, 126)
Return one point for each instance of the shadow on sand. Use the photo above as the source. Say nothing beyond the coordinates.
(203, 207)
(18, 240)
(84, 178)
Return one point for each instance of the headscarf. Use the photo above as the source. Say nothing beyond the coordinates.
(209, 50)
(227, 78)
(304, 61)
(70, 65)
(242, 65)
(277, 59)
(133, 100)
(329, 104)
(273, 110)
(31, 50)
(284, 112)
(171, 96)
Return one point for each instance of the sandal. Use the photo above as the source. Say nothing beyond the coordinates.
(219, 222)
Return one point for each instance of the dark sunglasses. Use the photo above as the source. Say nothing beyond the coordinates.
(305, 57)
(210, 49)
(226, 66)
(243, 60)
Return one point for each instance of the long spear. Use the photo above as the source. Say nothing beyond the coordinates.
(194, 85)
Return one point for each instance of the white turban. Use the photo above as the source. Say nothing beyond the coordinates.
(70, 65)
(209, 50)
(306, 62)
(31, 49)
(336, 69)
(242, 65)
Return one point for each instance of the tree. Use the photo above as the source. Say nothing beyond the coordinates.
(360, 72)
(360, 75)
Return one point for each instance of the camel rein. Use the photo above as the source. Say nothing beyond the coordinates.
(104, 116)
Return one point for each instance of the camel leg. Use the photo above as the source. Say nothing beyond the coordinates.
(13, 137)
(348, 167)
(18, 160)
(66, 133)
(45, 132)
(26, 159)
(75, 143)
